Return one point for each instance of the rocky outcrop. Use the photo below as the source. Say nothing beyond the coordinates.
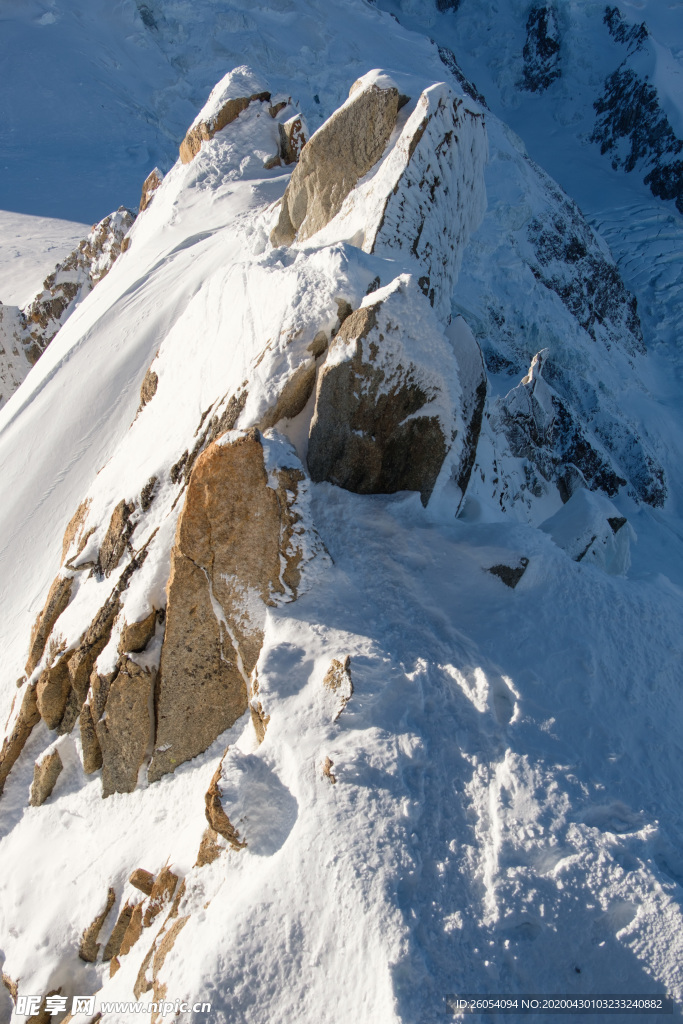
(149, 187)
(113, 946)
(116, 538)
(125, 728)
(510, 574)
(293, 138)
(52, 691)
(21, 727)
(541, 428)
(339, 683)
(216, 816)
(14, 350)
(203, 131)
(541, 49)
(73, 279)
(89, 946)
(57, 599)
(92, 754)
(429, 194)
(142, 880)
(341, 152)
(136, 635)
(386, 410)
(632, 128)
(45, 775)
(237, 549)
(75, 531)
(148, 388)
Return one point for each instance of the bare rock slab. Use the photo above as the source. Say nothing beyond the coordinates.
(389, 404)
(124, 730)
(45, 775)
(334, 159)
(239, 547)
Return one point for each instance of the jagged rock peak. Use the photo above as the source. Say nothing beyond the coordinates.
(422, 194)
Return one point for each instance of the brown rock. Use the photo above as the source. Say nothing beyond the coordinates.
(117, 537)
(209, 849)
(113, 947)
(332, 162)
(58, 598)
(259, 719)
(338, 680)
(205, 130)
(148, 388)
(162, 892)
(75, 529)
(92, 754)
(43, 1017)
(149, 187)
(371, 432)
(93, 642)
(52, 691)
(133, 930)
(235, 535)
(216, 816)
(90, 947)
(124, 731)
(13, 744)
(293, 138)
(142, 880)
(45, 775)
(11, 986)
(136, 635)
(327, 766)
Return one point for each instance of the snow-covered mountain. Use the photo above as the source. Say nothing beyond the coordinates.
(340, 527)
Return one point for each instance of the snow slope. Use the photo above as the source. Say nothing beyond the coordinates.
(505, 813)
(30, 247)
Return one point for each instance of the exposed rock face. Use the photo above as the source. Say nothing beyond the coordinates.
(429, 195)
(540, 427)
(90, 947)
(341, 152)
(202, 131)
(236, 550)
(113, 946)
(510, 574)
(92, 754)
(216, 816)
(162, 892)
(385, 419)
(45, 775)
(209, 849)
(76, 530)
(136, 635)
(124, 731)
(541, 49)
(339, 682)
(58, 598)
(149, 187)
(148, 388)
(116, 538)
(629, 110)
(293, 138)
(27, 716)
(73, 279)
(142, 880)
(82, 660)
(52, 692)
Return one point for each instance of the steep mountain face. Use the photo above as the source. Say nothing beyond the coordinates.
(26, 333)
(320, 724)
